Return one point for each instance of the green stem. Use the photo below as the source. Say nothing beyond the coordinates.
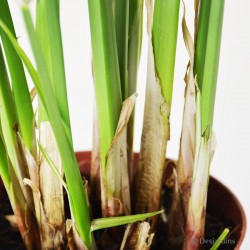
(164, 36)
(77, 195)
(134, 54)
(49, 34)
(207, 54)
(106, 72)
(121, 15)
(155, 134)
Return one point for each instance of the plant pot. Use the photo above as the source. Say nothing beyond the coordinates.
(222, 204)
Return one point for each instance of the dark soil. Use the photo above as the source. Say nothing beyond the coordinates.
(10, 238)
(214, 227)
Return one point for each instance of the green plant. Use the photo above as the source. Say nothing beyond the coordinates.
(37, 156)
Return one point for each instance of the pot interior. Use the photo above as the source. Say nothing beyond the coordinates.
(222, 204)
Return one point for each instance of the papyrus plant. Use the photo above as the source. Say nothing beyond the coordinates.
(187, 222)
(162, 26)
(37, 159)
(22, 172)
(206, 61)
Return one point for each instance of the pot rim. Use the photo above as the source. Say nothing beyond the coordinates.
(239, 206)
(234, 199)
(215, 181)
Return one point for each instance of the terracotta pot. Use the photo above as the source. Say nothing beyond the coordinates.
(222, 203)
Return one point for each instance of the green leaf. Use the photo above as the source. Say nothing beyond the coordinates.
(165, 29)
(134, 53)
(7, 112)
(220, 239)
(4, 171)
(77, 195)
(207, 53)
(106, 72)
(120, 220)
(49, 34)
(134, 42)
(121, 16)
(19, 84)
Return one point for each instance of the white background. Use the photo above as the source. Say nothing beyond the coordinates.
(232, 112)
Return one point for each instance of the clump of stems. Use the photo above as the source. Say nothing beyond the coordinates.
(37, 158)
(23, 174)
(162, 36)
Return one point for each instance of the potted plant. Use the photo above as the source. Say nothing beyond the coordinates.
(163, 203)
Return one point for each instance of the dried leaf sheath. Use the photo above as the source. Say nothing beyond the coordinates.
(117, 188)
(49, 35)
(153, 145)
(188, 135)
(53, 229)
(24, 216)
(154, 138)
(134, 53)
(137, 236)
(178, 214)
(206, 63)
(161, 59)
(195, 227)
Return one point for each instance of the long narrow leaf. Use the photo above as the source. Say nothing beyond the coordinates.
(7, 112)
(72, 173)
(106, 72)
(206, 69)
(121, 16)
(4, 171)
(220, 239)
(207, 53)
(10, 129)
(121, 220)
(109, 101)
(164, 36)
(19, 84)
(49, 34)
(134, 42)
(134, 54)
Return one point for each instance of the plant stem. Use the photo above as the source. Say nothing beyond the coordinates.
(109, 99)
(49, 34)
(77, 195)
(106, 72)
(155, 134)
(206, 69)
(134, 53)
(207, 54)
(121, 18)
(184, 169)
